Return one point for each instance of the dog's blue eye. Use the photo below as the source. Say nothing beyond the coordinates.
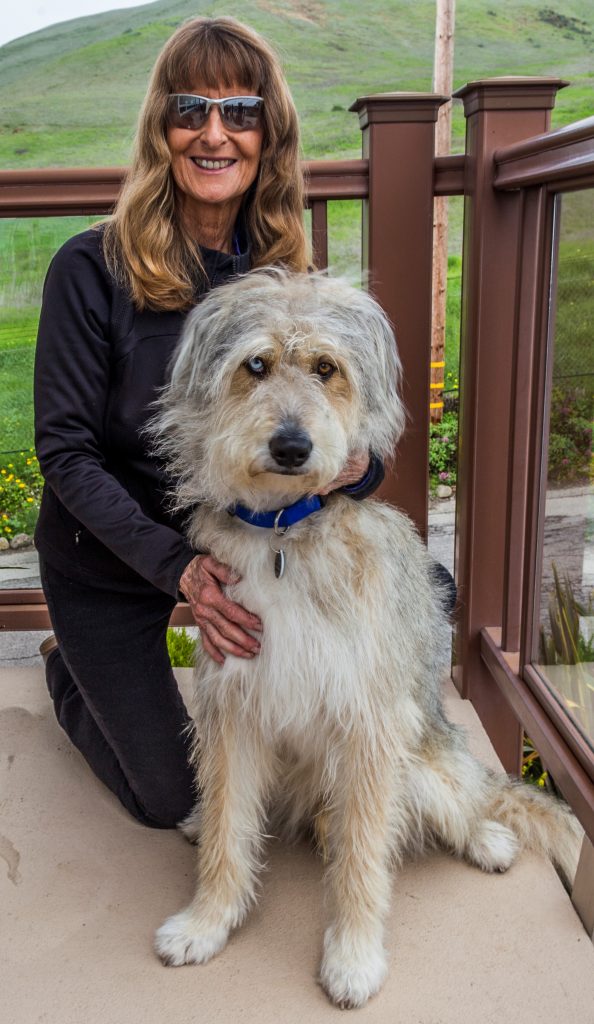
(256, 366)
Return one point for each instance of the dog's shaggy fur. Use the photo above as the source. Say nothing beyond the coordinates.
(338, 721)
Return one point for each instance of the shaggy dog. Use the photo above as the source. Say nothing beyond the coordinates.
(338, 721)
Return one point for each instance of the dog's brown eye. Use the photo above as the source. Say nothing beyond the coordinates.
(256, 366)
(325, 369)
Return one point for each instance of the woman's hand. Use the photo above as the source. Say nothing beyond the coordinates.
(220, 620)
(354, 470)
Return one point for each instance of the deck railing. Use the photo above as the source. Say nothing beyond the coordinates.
(511, 176)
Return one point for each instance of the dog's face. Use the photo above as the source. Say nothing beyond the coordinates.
(277, 379)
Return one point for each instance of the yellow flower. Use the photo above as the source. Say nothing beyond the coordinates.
(21, 486)
(29, 499)
(10, 465)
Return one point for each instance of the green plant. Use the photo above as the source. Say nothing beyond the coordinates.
(570, 441)
(21, 485)
(532, 767)
(565, 644)
(443, 450)
(181, 647)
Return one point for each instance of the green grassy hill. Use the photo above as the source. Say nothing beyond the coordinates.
(69, 96)
(81, 82)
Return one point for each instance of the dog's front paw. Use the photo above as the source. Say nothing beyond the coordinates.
(184, 939)
(352, 971)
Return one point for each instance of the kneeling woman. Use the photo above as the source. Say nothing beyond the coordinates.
(214, 189)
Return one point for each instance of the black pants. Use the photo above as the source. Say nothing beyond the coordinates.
(116, 697)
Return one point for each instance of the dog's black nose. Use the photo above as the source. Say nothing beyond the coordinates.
(290, 447)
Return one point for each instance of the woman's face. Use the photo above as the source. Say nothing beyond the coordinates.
(194, 151)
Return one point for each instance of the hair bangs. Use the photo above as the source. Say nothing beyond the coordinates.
(216, 59)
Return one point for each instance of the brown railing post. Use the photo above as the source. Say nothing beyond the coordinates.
(398, 140)
(499, 112)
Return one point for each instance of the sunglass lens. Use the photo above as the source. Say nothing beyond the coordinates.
(188, 111)
(242, 114)
(238, 115)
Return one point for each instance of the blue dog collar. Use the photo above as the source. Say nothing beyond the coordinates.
(282, 518)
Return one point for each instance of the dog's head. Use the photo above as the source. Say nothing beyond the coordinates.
(278, 377)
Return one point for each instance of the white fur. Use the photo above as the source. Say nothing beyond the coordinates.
(338, 721)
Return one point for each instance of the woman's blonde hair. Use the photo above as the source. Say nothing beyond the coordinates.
(145, 243)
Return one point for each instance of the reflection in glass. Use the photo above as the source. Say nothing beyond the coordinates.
(566, 649)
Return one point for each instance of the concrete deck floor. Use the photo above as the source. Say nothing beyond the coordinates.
(83, 887)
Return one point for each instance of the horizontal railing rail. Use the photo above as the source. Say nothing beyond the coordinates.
(562, 159)
(448, 175)
(63, 191)
(571, 772)
(26, 609)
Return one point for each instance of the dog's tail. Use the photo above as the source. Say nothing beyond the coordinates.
(540, 821)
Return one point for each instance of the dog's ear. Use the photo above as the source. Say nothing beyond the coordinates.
(366, 333)
(207, 337)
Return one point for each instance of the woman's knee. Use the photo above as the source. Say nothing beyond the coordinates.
(163, 813)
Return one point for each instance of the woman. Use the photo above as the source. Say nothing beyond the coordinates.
(214, 190)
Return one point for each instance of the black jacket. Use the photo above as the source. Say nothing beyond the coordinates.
(99, 364)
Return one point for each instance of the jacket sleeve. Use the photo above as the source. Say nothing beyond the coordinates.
(72, 372)
(369, 483)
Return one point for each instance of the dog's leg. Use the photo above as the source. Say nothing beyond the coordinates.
(359, 817)
(235, 773)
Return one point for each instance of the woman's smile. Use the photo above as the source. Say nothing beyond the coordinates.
(211, 165)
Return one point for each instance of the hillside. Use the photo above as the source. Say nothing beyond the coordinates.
(81, 82)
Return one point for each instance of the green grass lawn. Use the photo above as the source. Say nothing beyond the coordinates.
(81, 88)
(574, 323)
(26, 248)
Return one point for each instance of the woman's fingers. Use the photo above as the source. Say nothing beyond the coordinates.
(229, 609)
(201, 584)
(222, 644)
(354, 470)
(223, 623)
(210, 648)
(227, 628)
(223, 573)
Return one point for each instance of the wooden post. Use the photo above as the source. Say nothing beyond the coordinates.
(499, 112)
(398, 140)
(443, 76)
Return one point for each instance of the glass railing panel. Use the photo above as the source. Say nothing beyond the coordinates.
(565, 653)
(26, 248)
(444, 404)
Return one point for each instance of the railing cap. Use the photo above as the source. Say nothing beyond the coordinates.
(395, 107)
(553, 158)
(510, 92)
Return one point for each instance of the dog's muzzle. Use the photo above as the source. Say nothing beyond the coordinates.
(290, 447)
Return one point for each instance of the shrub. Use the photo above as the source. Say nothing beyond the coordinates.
(533, 770)
(181, 647)
(21, 485)
(570, 441)
(443, 448)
